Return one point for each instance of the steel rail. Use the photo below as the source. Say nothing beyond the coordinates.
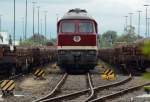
(91, 88)
(87, 90)
(11, 77)
(111, 96)
(59, 84)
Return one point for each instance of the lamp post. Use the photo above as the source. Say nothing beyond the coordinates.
(26, 18)
(126, 18)
(146, 6)
(33, 15)
(0, 24)
(126, 22)
(139, 22)
(130, 21)
(50, 35)
(23, 31)
(148, 21)
(14, 20)
(45, 24)
(41, 23)
(38, 7)
(57, 22)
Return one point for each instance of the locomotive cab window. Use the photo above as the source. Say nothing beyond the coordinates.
(68, 27)
(86, 27)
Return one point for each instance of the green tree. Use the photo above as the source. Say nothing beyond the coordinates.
(110, 35)
(146, 48)
(35, 40)
(109, 38)
(129, 35)
(130, 30)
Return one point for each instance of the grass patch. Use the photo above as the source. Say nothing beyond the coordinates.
(146, 75)
(108, 65)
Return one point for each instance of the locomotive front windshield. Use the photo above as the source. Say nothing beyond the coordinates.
(86, 27)
(78, 27)
(68, 27)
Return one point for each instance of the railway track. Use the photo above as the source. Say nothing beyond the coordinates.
(90, 90)
(117, 94)
(11, 77)
(59, 84)
(15, 76)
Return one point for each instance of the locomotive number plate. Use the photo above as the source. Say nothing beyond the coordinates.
(77, 38)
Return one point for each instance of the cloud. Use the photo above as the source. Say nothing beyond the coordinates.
(63, 1)
(108, 13)
(50, 1)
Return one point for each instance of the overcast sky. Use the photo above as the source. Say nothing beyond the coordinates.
(108, 13)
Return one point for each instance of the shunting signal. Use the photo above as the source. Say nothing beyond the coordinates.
(108, 74)
(7, 87)
(39, 73)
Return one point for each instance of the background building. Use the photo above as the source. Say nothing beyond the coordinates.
(4, 37)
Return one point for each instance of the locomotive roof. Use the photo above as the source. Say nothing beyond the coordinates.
(77, 14)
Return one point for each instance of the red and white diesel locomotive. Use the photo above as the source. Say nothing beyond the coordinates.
(77, 43)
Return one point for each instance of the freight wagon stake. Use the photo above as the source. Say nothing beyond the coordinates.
(23, 59)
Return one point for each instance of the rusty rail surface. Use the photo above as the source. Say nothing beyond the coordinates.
(57, 98)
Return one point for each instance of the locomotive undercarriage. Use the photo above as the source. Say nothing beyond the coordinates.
(77, 60)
